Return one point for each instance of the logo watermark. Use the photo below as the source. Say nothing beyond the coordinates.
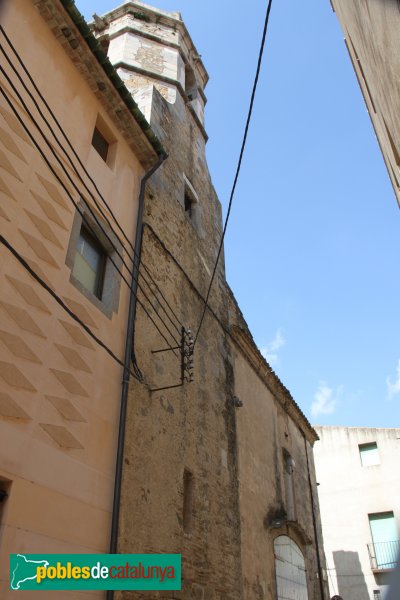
(95, 571)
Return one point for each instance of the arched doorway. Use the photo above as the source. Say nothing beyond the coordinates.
(291, 577)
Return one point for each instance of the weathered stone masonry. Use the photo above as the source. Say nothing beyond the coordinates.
(195, 427)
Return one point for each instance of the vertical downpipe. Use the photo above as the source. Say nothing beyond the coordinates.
(129, 349)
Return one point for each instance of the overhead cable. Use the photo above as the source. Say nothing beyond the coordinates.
(57, 298)
(81, 212)
(260, 55)
(93, 214)
(62, 147)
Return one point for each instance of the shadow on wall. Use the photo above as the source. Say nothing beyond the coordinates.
(382, 583)
(383, 579)
(350, 578)
(394, 590)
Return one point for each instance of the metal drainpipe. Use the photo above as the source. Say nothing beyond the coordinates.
(129, 346)
(321, 584)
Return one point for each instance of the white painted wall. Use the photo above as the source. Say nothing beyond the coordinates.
(348, 493)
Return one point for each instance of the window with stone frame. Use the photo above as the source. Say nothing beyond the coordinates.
(94, 257)
(187, 510)
(188, 204)
(191, 204)
(90, 262)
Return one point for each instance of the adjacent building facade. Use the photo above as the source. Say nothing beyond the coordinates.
(71, 151)
(359, 491)
(370, 29)
(191, 444)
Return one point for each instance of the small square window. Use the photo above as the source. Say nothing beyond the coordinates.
(89, 263)
(104, 141)
(100, 144)
(369, 454)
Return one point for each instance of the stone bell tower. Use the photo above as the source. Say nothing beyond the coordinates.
(150, 47)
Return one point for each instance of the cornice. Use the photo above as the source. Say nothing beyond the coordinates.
(163, 79)
(172, 20)
(73, 33)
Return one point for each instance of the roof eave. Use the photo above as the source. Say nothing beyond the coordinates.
(103, 79)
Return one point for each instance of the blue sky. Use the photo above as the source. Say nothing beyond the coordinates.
(313, 242)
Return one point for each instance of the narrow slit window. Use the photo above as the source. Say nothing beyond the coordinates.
(289, 468)
(190, 83)
(191, 202)
(187, 501)
(188, 205)
(100, 144)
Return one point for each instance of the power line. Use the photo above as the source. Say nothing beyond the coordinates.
(84, 217)
(90, 193)
(62, 147)
(57, 298)
(78, 190)
(253, 93)
(82, 214)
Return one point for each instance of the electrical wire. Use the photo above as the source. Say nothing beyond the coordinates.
(81, 212)
(88, 206)
(260, 55)
(57, 298)
(84, 217)
(94, 199)
(62, 147)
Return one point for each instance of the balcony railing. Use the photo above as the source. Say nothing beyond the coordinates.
(384, 555)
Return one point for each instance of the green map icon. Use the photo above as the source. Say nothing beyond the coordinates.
(22, 569)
